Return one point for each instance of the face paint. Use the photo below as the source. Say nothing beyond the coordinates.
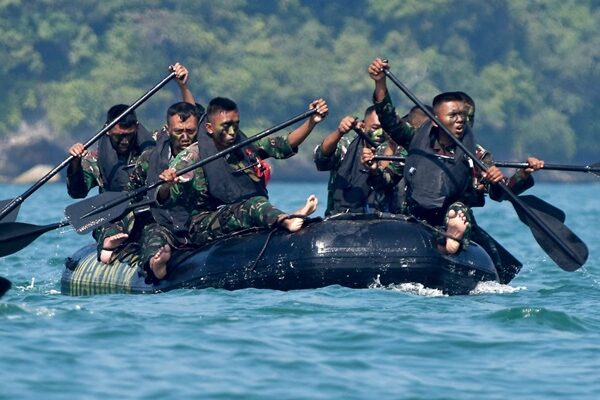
(376, 135)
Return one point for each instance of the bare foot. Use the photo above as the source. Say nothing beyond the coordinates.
(109, 244)
(294, 224)
(158, 263)
(457, 225)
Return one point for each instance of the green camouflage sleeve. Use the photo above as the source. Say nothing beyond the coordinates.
(80, 183)
(400, 131)
(139, 174)
(276, 147)
(191, 191)
(328, 163)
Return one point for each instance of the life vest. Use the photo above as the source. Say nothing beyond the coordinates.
(228, 184)
(175, 218)
(350, 191)
(435, 182)
(114, 169)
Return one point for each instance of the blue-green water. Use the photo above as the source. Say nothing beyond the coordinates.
(538, 338)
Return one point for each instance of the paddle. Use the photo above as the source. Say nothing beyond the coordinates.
(91, 213)
(4, 285)
(594, 168)
(14, 203)
(16, 235)
(562, 245)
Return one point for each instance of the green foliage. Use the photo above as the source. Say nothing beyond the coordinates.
(532, 67)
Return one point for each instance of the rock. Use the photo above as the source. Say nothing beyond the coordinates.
(35, 174)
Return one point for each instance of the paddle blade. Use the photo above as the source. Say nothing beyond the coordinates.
(4, 285)
(538, 204)
(16, 235)
(507, 265)
(11, 216)
(557, 240)
(76, 213)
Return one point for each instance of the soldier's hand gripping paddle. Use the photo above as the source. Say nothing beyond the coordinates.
(559, 242)
(10, 206)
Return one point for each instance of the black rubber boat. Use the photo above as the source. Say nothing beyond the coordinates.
(351, 250)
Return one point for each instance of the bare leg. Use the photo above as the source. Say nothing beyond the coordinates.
(457, 225)
(294, 224)
(109, 244)
(158, 263)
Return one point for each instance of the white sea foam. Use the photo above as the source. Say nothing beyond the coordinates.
(410, 287)
(495, 287)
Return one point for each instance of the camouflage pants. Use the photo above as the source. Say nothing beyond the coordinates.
(154, 236)
(125, 225)
(256, 212)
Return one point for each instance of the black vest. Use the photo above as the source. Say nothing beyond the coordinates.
(114, 171)
(350, 191)
(227, 185)
(436, 182)
(174, 218)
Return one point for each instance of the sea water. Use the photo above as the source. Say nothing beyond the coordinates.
(537, 338)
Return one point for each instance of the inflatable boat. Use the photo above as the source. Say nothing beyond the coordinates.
(351, 250)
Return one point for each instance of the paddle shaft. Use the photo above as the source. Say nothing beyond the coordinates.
(555, 167)
(19, 199)
(510, 164)
(144, 189)
(512, 197)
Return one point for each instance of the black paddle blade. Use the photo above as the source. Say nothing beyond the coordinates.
(507, 265)
(16, 235)
(75, 213)
(11, 216)
(559, 242)
(4, 285)
(538, 204)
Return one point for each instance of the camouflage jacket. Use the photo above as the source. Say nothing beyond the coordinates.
(192, 192)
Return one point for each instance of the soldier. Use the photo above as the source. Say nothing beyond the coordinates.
(437, 174)
(347, 190)
(228, 194)
(86, 170)
(180, 132)
(386, 177)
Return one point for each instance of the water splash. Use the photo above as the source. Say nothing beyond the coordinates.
(495, 288)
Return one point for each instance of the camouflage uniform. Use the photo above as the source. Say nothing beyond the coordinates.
(210, 220)
(137, 179)
(79, 185)
(333, 161)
